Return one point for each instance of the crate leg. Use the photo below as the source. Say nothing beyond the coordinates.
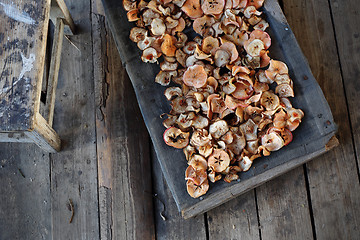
(44, 135)
(54, 68)
(59, 9)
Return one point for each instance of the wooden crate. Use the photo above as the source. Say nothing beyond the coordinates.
(314, 136)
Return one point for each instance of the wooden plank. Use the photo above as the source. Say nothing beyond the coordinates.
(23, 35)
(283, 207)
(124, 161)
(236, 219)
(74, 169)
(24, 192)
(169, 223)
(54, 68)
(315, 131)
(67, 16)
(14, 137)
(333, 178)
(346, 18)
(44, 136)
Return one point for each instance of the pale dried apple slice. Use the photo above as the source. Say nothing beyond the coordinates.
(195, 190)
(137, 34)
(269, 100)
(284, 90)
(209, 43)
(198, 162)
(219, 160)
(245, 163)
(149, 55)
(195, 76)
(203, 25)
(158, 27)
(172, 92)
(200, 137)
(249, 128)
(198, 176)
(272, 141)
(213, 7)
(243, 90)
(276, 67)
(218, 128)
(256, 3)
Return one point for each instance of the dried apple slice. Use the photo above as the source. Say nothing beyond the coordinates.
(254, 47)
(280, 119)
(203, 25)
(158, 27)
(168, 45)
(149, 55)
(276, 67)
(200, 137)
(195, 190)
(212, 7)
(176, 138)
(269, 100)
(198, 176)
(284, 90)
(218, 128)
(243, 90)
(245, 163)
(164, 77)
(222, 57)
(256, 3)
(192, 8)
(198, 162)
(137, 34)
(272, 141)
(249, 129)
(219, 160)
(200, 122)
(284, 133)
(238, 144)
(195, 76)
(209, 43)
(172, 92)
(233, 103)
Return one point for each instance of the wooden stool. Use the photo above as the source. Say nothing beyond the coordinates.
(23, 40)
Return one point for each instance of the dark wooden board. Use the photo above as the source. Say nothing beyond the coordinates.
(124, 161)
(334, 188)
(25, 197)
(346, 22)
(169, 223)
(74, 168)
(309, 141)
(23, 34)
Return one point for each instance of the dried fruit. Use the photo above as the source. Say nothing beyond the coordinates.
(226, 110)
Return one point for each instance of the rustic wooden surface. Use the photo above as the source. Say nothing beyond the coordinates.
(320, 200)
(23, 31)
(309, 141)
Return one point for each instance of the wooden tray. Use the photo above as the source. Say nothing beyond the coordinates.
(310, 139)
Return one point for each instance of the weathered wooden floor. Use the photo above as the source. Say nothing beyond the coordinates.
(108, 171)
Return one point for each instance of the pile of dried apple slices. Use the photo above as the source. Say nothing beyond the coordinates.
(230, 101)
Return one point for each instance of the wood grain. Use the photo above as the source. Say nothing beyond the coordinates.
(236, 219)
(314, 131)
(25, 199)
(346, 20)
(333, 178)
(74, 169)
(283, 207)
(23, 35)
(124, 161)
(169, 222)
